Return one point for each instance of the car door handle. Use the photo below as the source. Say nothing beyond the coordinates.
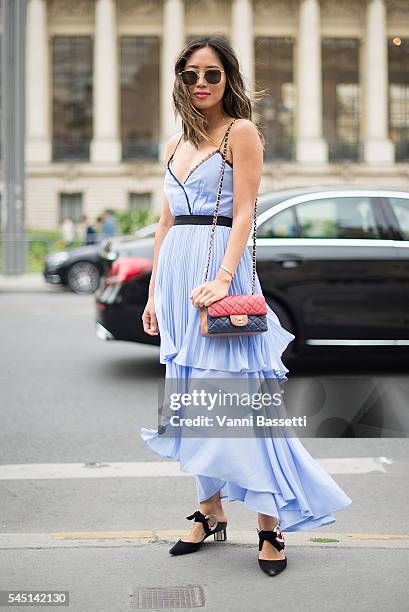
(288, 260)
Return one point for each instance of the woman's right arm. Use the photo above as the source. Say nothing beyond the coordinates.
(166, 220)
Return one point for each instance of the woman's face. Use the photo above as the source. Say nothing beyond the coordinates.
(212, 94)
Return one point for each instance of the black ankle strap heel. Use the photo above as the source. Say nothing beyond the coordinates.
(210, 525)
(276, 538)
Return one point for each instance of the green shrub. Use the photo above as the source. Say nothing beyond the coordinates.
(131, 220)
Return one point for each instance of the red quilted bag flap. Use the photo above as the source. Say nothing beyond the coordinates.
(254, 304)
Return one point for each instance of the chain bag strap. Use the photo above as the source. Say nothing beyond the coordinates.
(216, 212)
(232, 315)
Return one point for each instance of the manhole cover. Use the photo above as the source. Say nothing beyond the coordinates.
(163, 598)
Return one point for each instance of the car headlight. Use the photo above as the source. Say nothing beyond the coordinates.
(55, 259)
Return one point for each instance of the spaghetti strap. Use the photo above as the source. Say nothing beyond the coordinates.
(177, 144)
(225, 134)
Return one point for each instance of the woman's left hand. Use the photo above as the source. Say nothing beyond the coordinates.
(207, 293)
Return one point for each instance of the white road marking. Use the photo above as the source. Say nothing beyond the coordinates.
(354, 465)
(152, 469)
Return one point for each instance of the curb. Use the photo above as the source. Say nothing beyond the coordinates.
(113, 539)
(26, 282)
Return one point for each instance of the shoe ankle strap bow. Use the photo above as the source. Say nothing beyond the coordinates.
(275, 537)
(201, 518)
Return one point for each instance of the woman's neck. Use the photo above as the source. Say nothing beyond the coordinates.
(215, 119)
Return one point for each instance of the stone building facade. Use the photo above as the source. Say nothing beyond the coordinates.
(100, 76)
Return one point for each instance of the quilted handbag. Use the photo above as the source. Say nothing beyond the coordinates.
(234, 314)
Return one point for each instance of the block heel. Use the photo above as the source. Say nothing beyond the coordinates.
(220, 536)
(211, 526)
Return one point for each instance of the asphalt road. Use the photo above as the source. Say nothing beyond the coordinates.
(69, 398)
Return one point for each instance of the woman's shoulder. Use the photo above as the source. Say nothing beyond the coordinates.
(172, 144)
(245, 135)
(175, 138)
(244, 127)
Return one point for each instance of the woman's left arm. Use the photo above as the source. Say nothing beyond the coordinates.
(247, 156)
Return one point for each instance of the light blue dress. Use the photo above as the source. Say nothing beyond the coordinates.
(275, 476)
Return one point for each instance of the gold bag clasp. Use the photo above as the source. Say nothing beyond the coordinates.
(239, 320)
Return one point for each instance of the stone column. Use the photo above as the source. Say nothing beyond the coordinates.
(242, 38)
(38, 144)
(378, 149)
(173, 41)
(310, 146)
(106, 145)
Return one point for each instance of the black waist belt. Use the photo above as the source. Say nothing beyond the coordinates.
(202, 220)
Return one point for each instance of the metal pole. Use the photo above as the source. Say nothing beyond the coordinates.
(13, 136)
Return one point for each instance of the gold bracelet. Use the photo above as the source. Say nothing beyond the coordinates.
(227, 270)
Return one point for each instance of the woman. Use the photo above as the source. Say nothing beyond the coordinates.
(276, 477)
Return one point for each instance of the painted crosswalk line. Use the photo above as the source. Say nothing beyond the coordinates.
(152, 469)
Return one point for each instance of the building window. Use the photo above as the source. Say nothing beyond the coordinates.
(340, 97)
(398, 59)
(72, 97)
(274, 72)
(138, 201)
(140, 97)
(70, 206)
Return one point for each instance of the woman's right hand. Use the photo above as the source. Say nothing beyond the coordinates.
(150, 324)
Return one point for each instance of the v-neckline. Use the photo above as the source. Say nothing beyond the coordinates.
(191, 171)
(194, 167)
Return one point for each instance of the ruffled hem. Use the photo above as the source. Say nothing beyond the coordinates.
(291, 485)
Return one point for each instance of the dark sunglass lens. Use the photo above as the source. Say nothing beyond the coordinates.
(213, 76)
(189, 77)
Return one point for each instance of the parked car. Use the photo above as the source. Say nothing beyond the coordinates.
(333, 263)
(80, 268)
(77, 268)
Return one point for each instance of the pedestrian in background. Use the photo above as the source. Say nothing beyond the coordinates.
(109, 226)
(68, 231)
(91, 235)
(98, 228)
(82, 229)
(88, 232)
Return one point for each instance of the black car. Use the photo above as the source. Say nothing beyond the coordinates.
(80, 268)
(333, 263)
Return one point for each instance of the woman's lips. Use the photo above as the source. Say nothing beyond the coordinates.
(201, 96)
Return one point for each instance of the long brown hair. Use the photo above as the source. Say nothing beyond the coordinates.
(236, 103)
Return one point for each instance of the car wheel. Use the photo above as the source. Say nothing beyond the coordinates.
(288, 324)
(83, 277)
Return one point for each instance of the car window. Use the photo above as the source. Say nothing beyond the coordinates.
(338, 217)
(280, 225)
(401, 209)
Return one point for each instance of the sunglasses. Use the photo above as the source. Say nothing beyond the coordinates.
(191, 77)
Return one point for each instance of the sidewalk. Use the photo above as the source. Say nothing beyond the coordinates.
(27, 282)
(120, 571)
(112, 539)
